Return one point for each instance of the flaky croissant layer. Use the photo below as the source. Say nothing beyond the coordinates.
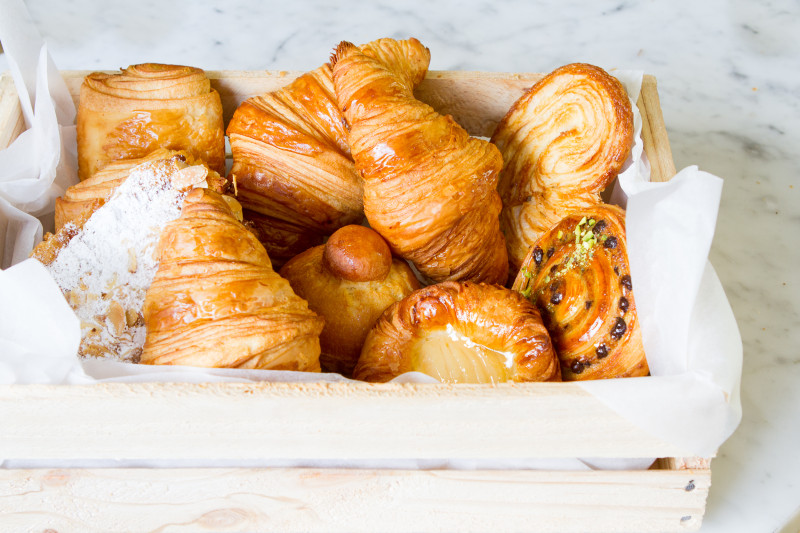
(429, 188)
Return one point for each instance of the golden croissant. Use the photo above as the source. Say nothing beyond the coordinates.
(562, 143)
(216, 302)
(429, 188)
(85, 197)
(460, 332)
(292, 164)
(577, 273)
(145, 107)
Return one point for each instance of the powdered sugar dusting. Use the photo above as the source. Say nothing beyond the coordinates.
(105, 270)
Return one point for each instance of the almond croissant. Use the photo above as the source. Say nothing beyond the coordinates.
(216, 302)
(429, 188)
(562, 143)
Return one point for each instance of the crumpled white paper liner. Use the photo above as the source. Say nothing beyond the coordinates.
(691, 338)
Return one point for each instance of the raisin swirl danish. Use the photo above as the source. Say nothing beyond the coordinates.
(562, 143)
(578, 276)
(429, 188)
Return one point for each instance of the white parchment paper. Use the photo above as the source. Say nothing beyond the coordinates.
(690, 335)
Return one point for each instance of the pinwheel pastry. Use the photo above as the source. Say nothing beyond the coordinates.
(130, 114)
(350, 281)
(578, 276)
(460, 332)
(562, 143)
(429, 188)
(216, 302)
(85, 197)
(292, 166)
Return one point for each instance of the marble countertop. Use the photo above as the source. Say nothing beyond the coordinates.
(728, 80)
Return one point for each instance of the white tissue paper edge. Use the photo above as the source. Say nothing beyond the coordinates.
(691, 337)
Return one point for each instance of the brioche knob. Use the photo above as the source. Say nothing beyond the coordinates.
(357, 253)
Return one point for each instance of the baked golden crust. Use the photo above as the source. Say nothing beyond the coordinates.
(429, 188)
(291, 160)
(349, 281)
(562, 143)
(577, 274)
(144, 107)
(498, 319)
(216, 302)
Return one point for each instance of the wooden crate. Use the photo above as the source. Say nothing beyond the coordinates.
(246, 424)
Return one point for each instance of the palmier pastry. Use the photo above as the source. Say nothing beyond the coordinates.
(132, 113)
(292, 164)
(349, 281)
(562, 143)
(216, 302)
(429, 188)
(88, 195)
(460, 332)
(577, 274)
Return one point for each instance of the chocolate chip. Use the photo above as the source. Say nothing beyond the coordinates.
(619, 329)
(616, 271)
(588, 304)
(623, 304)
(576, 367)
(550, 252)
(537, 255)
(556, 298)
(599, 227)
(601, 351)
(626, 281)
(611, 242)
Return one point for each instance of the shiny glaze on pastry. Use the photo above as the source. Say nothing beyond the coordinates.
(291, 160)
(460, 332)
(90, 194)
(577, 274)
(145, 107)
(349, 281)
(429, 188)
(216, 302)
(562, 143)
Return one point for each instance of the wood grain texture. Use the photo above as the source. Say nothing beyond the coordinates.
(12, 122)
(298, 499)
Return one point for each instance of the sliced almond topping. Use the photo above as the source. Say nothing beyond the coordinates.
(235, 207)
(131, 260)
(132, 317)
(116, 315)
(186, 178)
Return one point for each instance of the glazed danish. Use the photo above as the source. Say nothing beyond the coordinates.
(144, 107)
(429, 188)
(562, 143)
(577, 274)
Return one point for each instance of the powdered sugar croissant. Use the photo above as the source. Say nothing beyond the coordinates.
(216, 302)
(562, 143)
(429, 188)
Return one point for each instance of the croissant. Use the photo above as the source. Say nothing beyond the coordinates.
(216, 302)
(578, 276)
(350, 281)
(429, 188)
(130, 114)
(291, 162)
(85, 197)
(562, 143)
(460, 332)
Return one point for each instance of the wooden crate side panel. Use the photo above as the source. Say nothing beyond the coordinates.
(315, 420)
(351, 500)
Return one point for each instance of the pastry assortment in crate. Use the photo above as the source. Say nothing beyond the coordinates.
(367, 140)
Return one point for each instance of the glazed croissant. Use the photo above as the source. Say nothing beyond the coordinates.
(429, 188)
(132, 113)
(216, 302)
(562, 143)
(292, 164)
(578, 276)
(82, 199)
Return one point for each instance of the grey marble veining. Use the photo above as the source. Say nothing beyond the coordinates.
(729, 81)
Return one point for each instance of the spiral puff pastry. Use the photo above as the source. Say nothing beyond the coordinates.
(578, 276)
(132, 113)
(429, 188)
(562, 143)
(216, 302)
(292, 166)
(460, 332)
